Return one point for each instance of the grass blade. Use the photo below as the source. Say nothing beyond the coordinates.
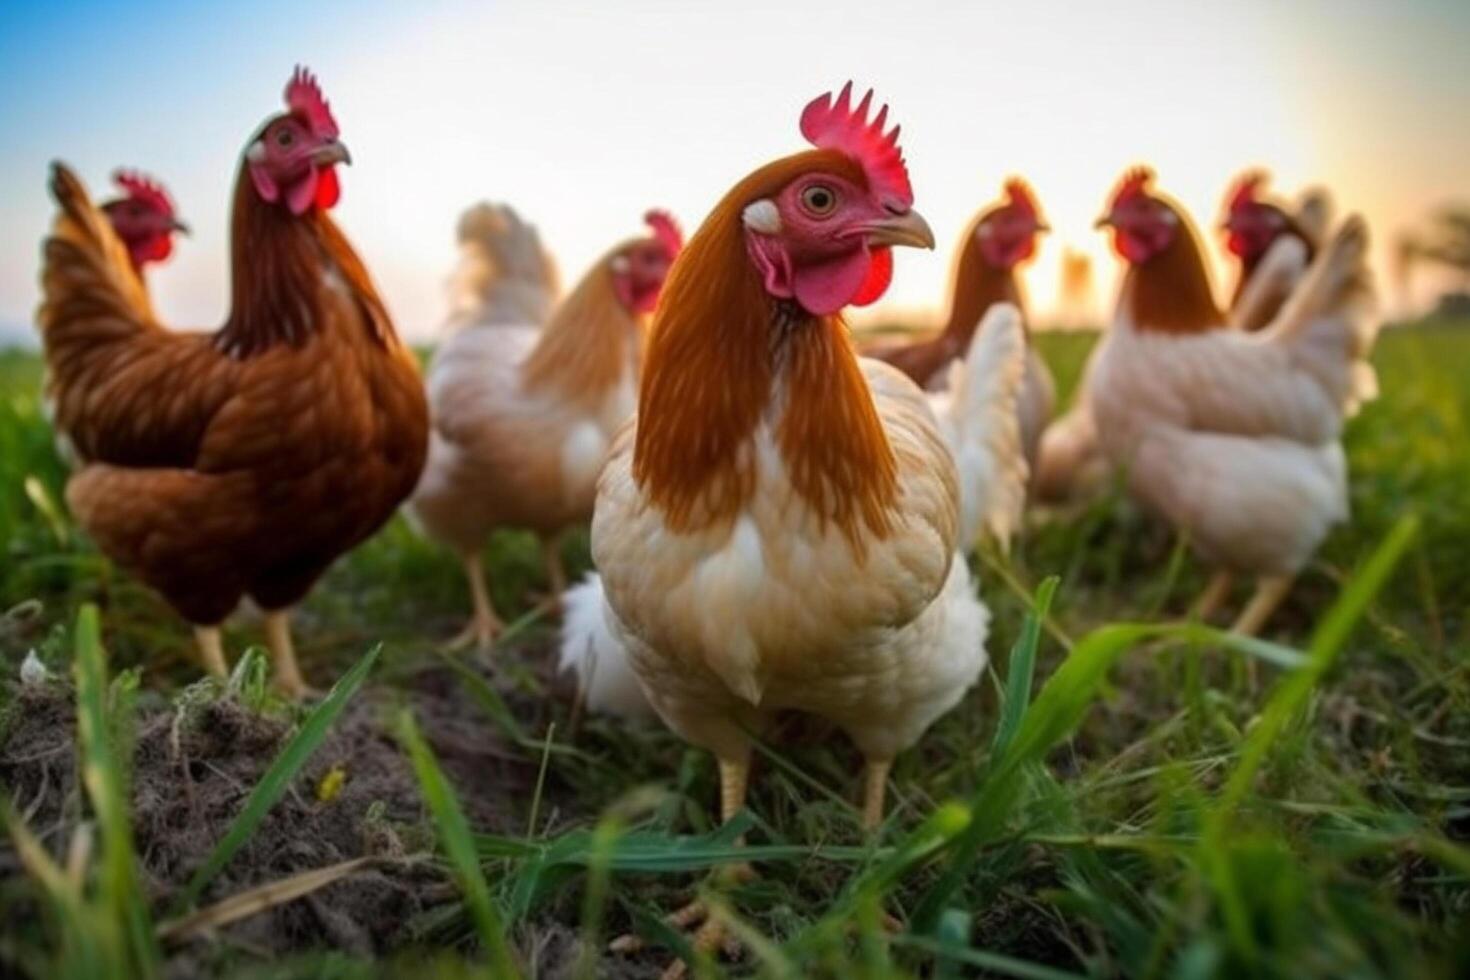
(458, 844)
(256, 900)
(278, 777)
(1058, 708)
(121, 889)
(1022, 667)
(1285, 704)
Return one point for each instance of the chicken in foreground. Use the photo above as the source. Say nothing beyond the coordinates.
(781, 526)
(1233, 437)
(523, 414)
(999, 239)
(243, 462)
(1275, 245)
(143, 218)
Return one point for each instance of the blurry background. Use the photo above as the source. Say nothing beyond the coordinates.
(584, 114)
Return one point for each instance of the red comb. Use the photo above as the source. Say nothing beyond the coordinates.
(1133, 184)
(666, 230)
(839, 126)
(1020, 196)
(1244, 194)
(304, 99)
(145, 190)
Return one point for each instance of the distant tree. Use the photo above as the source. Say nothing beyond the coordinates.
(1445, 243)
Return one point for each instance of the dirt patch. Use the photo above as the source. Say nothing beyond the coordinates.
(192, 773)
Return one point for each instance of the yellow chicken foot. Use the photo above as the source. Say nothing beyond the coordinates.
(556, 576)
(1270, 592)
(211, 650)
(1213, 597)
(877, 786)
(711, 934)
(283, 654)
(484, 625)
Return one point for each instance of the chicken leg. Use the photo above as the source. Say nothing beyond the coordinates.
(211, 650)
(1271, 590)
(283, 655)
(711, 934)
(484, 625)
(1213, 597)
(556, 576)
(877, 786)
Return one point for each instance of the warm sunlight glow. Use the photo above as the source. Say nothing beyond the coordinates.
(584, 115)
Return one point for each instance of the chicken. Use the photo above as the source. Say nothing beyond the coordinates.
(1233, 437)
(1274, 245)
(143, 218)
(999, 238)
(523, 414)
(781, 525)
(216, 466)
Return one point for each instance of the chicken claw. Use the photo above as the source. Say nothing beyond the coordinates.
(711, 934)
(484, 625)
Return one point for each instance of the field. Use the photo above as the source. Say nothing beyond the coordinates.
(1112, 800)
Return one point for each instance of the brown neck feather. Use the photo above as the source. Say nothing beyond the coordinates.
(722, 354)
(277, 263)
(1170, 293)
(977, 285)
(589, 342)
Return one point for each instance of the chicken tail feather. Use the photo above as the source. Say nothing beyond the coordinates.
(596, 656)
(90, 292)
(504, 274)
(984, 430)
(1331, 322)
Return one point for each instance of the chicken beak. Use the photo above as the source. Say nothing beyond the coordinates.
(1042, 228)
(1106, 221)
(908, 228)
(331, 153)
(178, 226)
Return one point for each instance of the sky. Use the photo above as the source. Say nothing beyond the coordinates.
(583, 115)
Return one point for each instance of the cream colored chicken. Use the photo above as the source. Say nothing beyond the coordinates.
(782, 525)
(1232, 436)
(1275, 243)
(523, 414)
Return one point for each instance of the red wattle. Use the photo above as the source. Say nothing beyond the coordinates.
(328, 190)
(880, 275)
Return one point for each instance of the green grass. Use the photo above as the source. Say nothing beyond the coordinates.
(1143, 813)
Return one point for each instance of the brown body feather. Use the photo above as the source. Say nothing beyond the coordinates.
(243, 462)
(710, 378)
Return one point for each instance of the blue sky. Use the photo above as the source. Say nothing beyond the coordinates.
(585, 114)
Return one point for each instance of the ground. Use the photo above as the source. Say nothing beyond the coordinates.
(1187, 826)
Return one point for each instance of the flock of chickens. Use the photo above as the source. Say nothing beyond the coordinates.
(778, 522)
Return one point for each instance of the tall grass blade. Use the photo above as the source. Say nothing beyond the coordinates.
(118, 880)
(1022, 668)
(458, 844)
(278, 777)
(1287, 701)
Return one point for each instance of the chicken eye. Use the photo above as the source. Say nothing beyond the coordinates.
(819, 199)
(284, 137)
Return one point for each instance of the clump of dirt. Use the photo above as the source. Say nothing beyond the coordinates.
(192, 771)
